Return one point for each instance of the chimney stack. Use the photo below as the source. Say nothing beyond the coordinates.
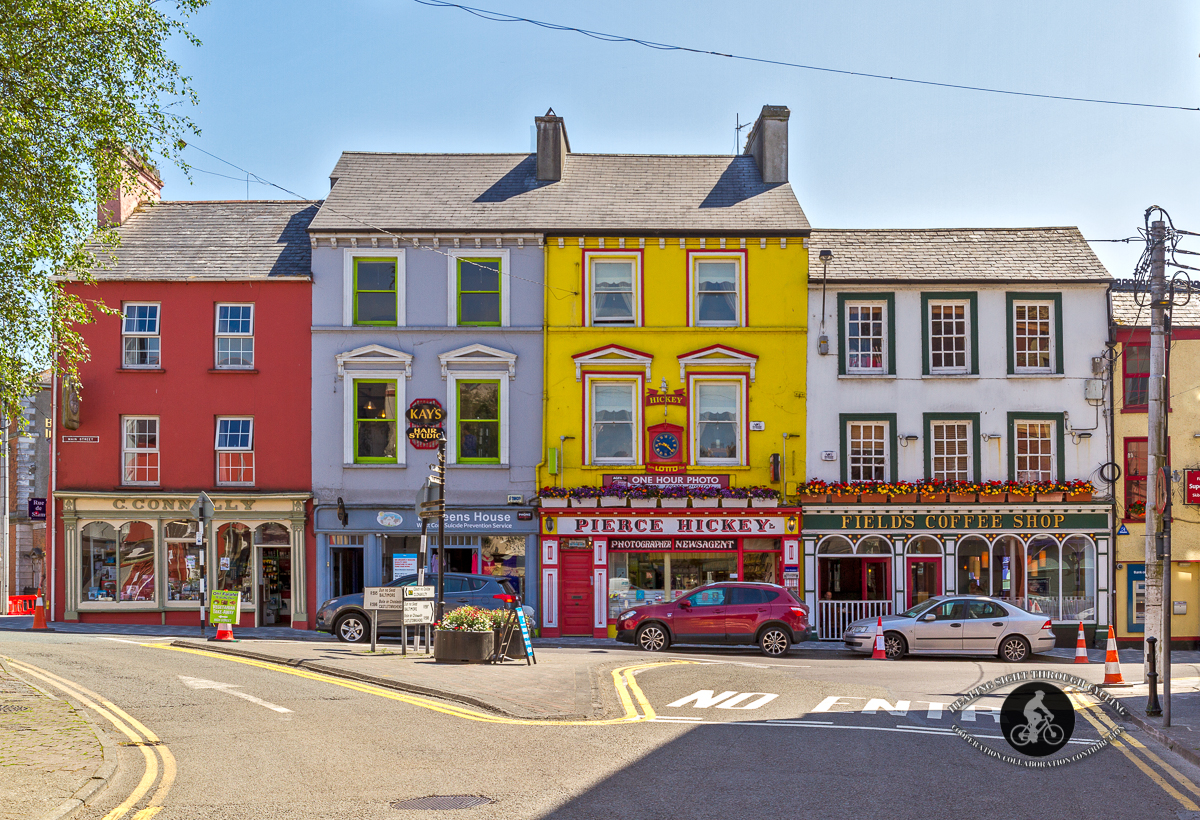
(147, 187)
(768, 143)
(552, 146)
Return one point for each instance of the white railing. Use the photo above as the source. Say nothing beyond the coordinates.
(834, 616)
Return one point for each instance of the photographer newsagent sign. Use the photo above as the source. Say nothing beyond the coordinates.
(425, 417)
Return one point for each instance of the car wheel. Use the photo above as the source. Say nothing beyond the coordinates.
(653, 638)
(1014, 649)
(352, 628)
(774, 642)
(894, 646)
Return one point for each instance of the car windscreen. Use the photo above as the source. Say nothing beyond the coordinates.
(508, 588)
(921, 607)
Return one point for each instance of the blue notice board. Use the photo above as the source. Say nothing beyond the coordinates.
(525, 633)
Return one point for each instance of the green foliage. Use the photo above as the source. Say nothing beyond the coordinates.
(81, 82)
(467, 619)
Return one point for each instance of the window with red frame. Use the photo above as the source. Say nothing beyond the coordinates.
(1135, 478)
(1135, 361)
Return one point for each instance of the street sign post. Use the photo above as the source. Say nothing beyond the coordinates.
(202, 510)
(383, 598)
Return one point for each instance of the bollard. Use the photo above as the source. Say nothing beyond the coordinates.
(1152, 707)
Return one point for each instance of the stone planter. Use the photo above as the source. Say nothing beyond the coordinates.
(516, 645)
(1049, 496)
(962, 498)
(735, 502)
(643, 503)
(612, 501)
(452, 646)
(905, 498)
(706, 503)
(764, 502)
(1080, 497)
(550, 503)
(873, 498)
(933, 498)
(674, 503)
(807, 498)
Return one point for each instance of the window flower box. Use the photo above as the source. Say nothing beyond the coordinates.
(933, 498)
(1050, 497)
(813, 498)
(873, 498)
(674, 503)
(706, 503)
(1086, 495)
(612, 501)
(904, 498)
(1016, 497)
(585, 502)
(644, 503)
(764, 502)
(735, 502)
(551, 503)
(962, 498)
(843, 498)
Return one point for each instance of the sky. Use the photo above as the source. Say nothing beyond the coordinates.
(286, 85)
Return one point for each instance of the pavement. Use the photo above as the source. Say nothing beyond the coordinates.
(52, 757)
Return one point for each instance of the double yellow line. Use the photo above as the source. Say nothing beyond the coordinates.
(1128, 744)
(633, 701)
(132, 728)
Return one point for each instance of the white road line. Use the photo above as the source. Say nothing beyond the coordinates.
(146, 640)
(230, 688)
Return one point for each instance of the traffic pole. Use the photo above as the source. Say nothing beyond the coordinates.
(441, 552)
(1155, 442)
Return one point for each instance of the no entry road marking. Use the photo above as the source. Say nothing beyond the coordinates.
(726, 700)
(231, 688)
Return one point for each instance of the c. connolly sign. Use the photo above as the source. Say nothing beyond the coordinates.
(672, 525)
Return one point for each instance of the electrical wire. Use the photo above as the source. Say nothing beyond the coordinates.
(502, 17)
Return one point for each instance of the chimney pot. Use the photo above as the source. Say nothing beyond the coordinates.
(768, 143)
(552, 146)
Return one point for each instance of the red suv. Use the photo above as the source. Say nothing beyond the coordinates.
(728, 613)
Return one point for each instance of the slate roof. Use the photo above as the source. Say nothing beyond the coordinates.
(599, 193)
(1126, 312)
(214, 240)
(1031, 255)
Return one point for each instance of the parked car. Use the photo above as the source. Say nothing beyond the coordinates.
(735, 612)
(956, 625)
(346, 619)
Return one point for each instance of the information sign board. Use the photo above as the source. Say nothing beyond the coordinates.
(418, 612)
(224, 606)
(418, 592)
(383, 598)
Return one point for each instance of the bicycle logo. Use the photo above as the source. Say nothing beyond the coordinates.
(1037, 719)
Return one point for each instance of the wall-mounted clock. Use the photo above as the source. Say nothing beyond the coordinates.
(666, 444)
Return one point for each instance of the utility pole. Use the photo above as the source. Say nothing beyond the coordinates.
(1156, 440)
(4, 541)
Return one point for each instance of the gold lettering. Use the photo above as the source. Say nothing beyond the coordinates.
(1045, 521)
(909, 522)
(845, 522)
(1058, 519)
(896, 522)
(929, 519)
(953, 522)
(941, 522)
(967, 521)
(868, 522)
(996, 521)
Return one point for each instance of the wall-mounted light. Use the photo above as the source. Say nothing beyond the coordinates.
(906, 440)
(989, 436)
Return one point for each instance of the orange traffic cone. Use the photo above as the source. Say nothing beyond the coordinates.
(39, 614)
(879, 654)
(1081, 647)
(224, 633)
(1112, 664)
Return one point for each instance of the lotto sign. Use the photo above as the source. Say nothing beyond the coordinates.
(425, 417)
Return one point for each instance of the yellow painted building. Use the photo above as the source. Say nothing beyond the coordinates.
(674, 360)
(1131, 366)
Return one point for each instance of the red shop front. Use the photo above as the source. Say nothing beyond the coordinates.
(596, 563)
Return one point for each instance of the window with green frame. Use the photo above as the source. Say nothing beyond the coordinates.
(478, 291)
(374, 291)
(374, 421)
(478, 422)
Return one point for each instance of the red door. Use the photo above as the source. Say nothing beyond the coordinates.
(576, 604)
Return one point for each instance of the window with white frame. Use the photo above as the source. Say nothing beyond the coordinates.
(951, 456)
(235, 451)
(948, 338)
(1033, 337)
(139, 450)
(867, 450)
(1034, 450)
(718, 427)
(614, 422)
(613, 290)
(235, 336)
(140, 335)
(717, 291)
(866, 337)
(375, 417)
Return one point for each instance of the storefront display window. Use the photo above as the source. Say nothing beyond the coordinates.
(760, 565)
(235, 560)
(635, 578)
(98, 551)
(400, 556)
(135, 581)
(503, 556)
(973, 576)
(1008, 570)
(1078, 579)
(691, 569)
(1041, 580)
(184, 561)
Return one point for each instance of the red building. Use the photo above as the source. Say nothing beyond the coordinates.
(201, 383)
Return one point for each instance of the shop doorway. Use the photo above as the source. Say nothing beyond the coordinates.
(576, 604)
(924, 579)
(345, 571)
(275, 587)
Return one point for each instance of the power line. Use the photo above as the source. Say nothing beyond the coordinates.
(502, 17)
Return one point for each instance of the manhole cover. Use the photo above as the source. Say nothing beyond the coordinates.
(8, 707)
(443, 802)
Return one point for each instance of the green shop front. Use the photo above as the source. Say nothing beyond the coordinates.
(867, 560)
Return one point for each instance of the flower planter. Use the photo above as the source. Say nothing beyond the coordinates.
(516, 645)
(808, 498)
(674, 503)
(764, 502)
(1019, 498)
(1080, 497)
(1049, 496)
(643, 503)
(453, 646)
(549, 503)
(934, 498)
(995, 498)
(735, 502)
(706, 503)
(843, 498)
(612, 501)
(904, 498)
(873, 498)
(962, 498)
(585, 502)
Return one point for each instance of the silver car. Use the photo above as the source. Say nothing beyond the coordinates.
(956, 625)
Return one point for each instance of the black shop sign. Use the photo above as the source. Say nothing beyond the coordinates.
(425, 417)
